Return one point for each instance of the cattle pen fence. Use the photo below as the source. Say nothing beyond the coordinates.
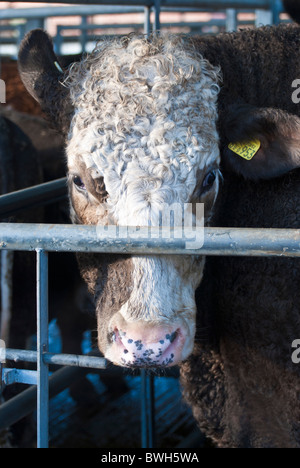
(42, 238)
(90, 28)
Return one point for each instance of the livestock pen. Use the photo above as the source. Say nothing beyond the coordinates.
(68, 238)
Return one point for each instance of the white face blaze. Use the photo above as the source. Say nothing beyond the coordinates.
(162, 295)
(145, 124)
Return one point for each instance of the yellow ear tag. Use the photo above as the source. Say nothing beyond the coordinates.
(246, 149)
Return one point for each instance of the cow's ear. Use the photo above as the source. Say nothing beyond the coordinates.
(43, 77)
(260, 143)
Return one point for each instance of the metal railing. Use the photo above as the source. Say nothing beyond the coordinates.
(43, 386)
(49, 192)
(44, 238)
(267, 12)
(151, 240)
(213, 4)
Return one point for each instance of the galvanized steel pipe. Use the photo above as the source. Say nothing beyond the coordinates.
(154, 241)
(33, 196)
(23, 404)
(215, 4)
(121, 7)
(74, 360)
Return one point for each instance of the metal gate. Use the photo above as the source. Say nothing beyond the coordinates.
(18, 407)
(43, 238)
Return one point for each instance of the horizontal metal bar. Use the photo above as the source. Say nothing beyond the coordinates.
(75, 360)
(189, 24)
(20, 355)
(92, 27)
(217, 4)
(90, 362)
(33, 196)
(12, 376)
(58, 11)
(83, 238)
(83, 10)
(96, 7)
(23, 404)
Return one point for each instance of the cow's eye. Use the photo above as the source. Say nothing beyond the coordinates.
(208, 181)
(79, 183)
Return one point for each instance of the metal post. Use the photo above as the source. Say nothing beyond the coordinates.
(83, 35)
(33, 23)
(42, 346)
(263, 18)
(231, 20)
(147, 23)
(58, 41)
(156, 26)
(6, 273)
(277, 8)
(147, 410)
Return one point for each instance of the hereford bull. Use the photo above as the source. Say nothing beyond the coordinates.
(148, 123)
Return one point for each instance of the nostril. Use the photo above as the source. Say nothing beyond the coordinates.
(169, 339)
(116, 336)
(173, 336)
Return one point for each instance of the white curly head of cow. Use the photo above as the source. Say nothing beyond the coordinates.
(142, 136)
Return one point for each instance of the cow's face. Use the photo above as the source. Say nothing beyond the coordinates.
(143, 137)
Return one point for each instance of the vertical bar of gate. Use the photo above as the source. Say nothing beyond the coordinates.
(147, 22)
(147, 409)
(83, 33)
(157, 5)
(277, 8)
(42, 346)
(231, 20)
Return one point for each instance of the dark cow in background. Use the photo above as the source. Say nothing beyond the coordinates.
(33, 153)
(20, 168)
(149, 123)
(30, 154)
